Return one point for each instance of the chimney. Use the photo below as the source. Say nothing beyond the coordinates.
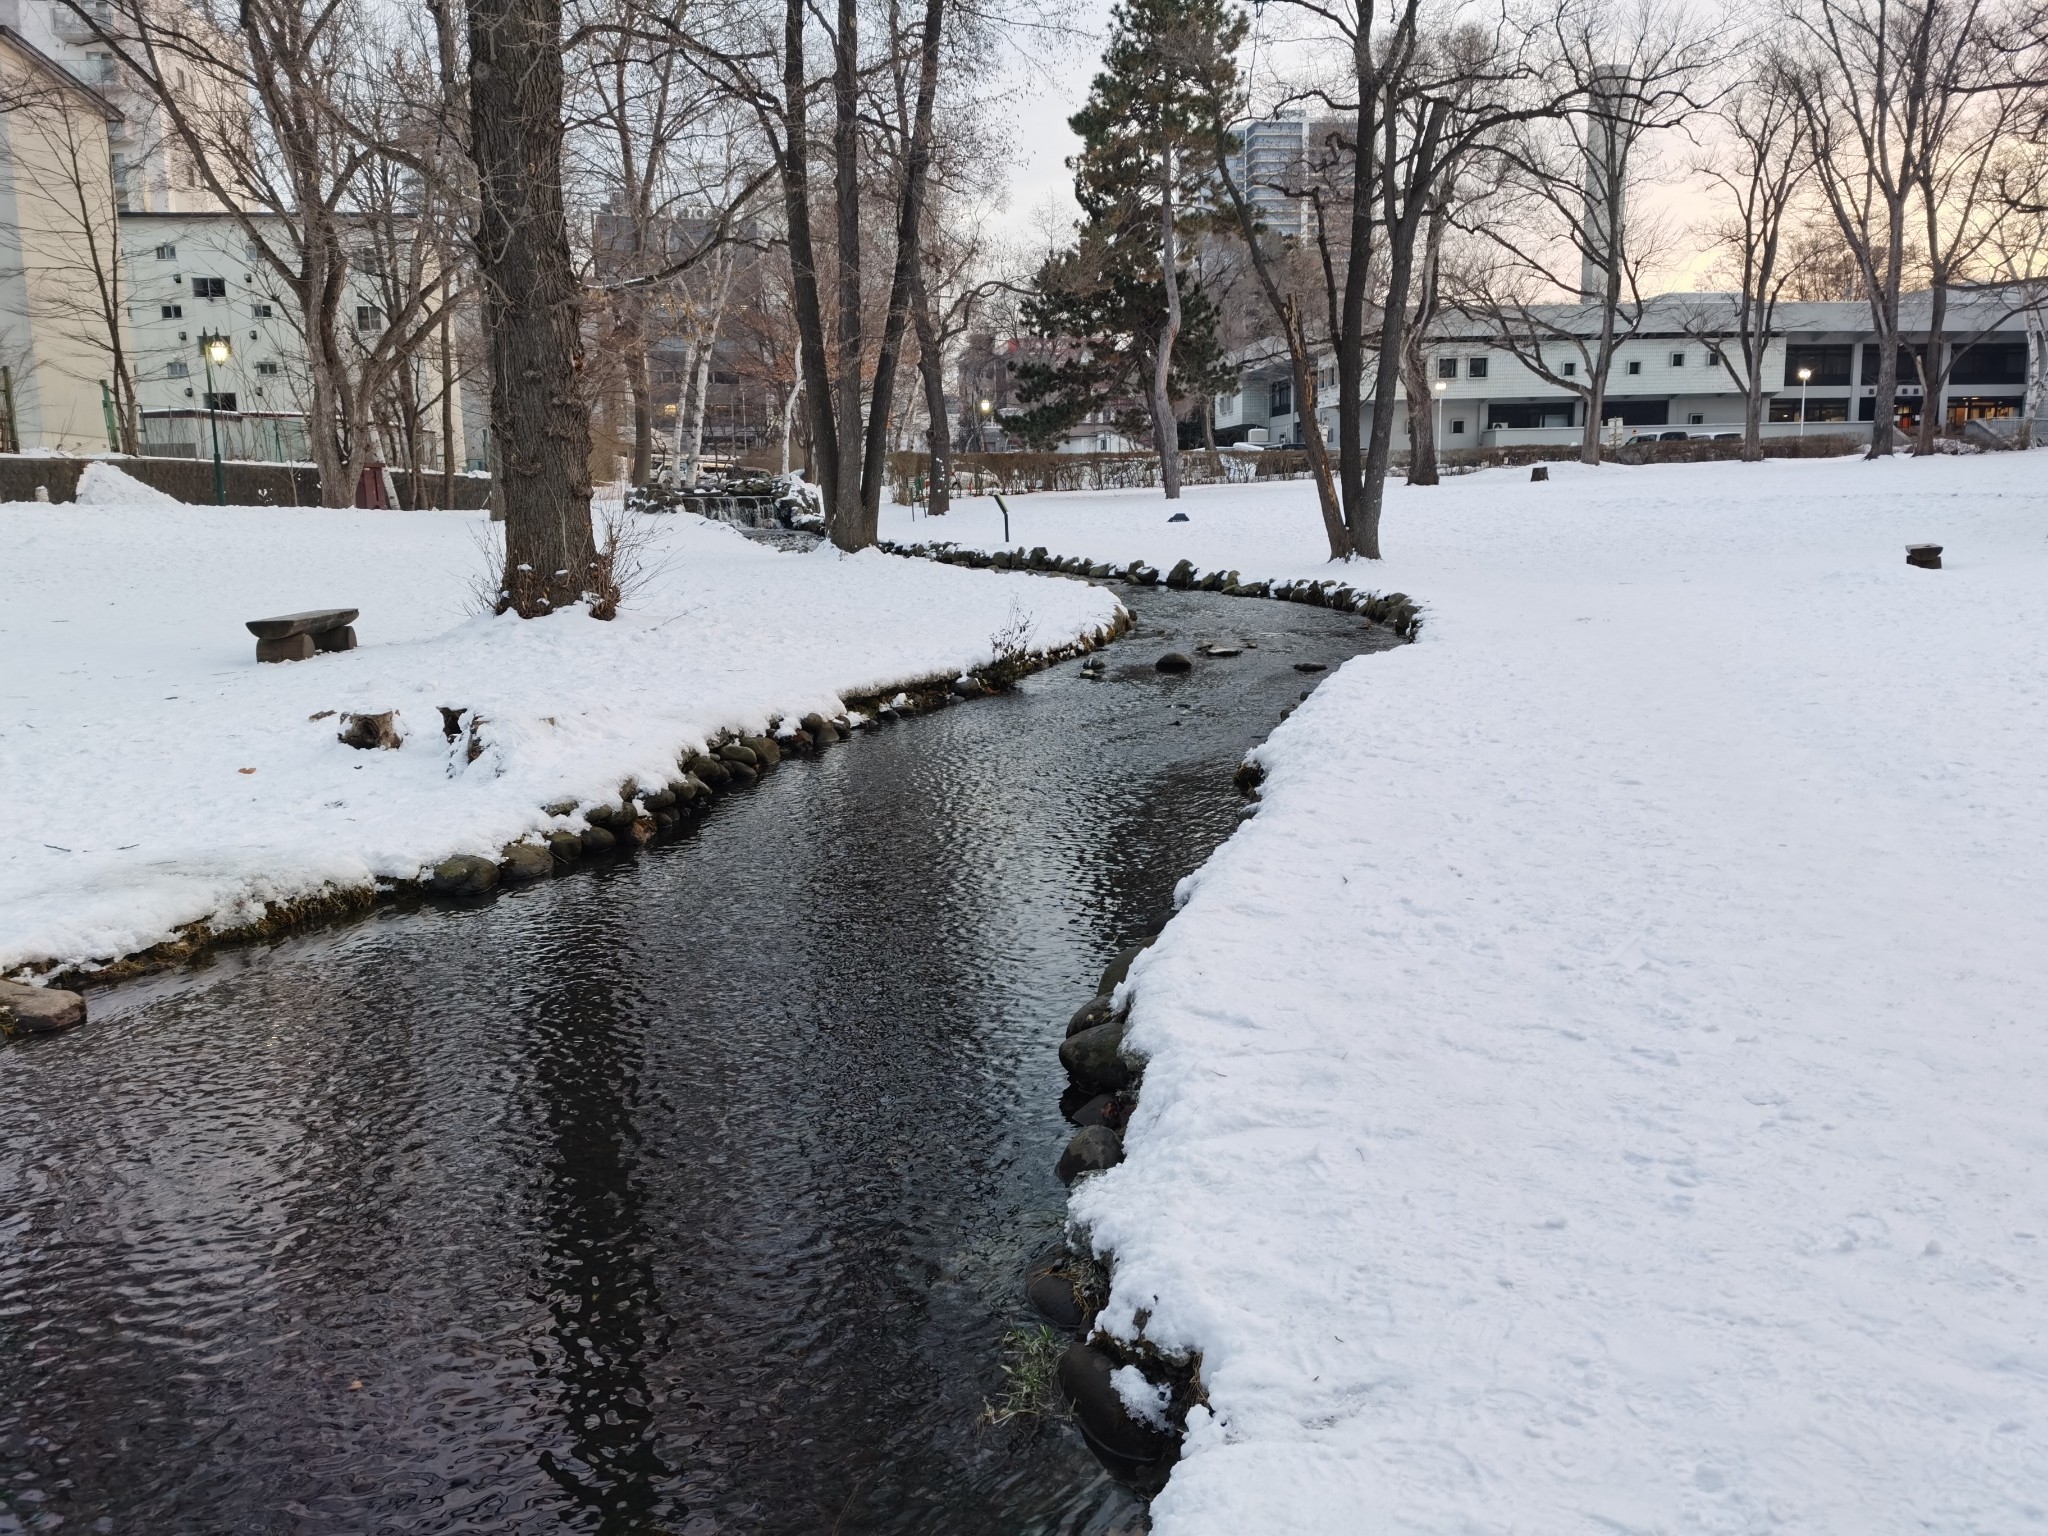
(1609, 140)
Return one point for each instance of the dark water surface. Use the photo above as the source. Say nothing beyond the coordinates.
(687, 1195)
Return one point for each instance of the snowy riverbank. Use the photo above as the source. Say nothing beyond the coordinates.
(1601, 1087)
(157, 776)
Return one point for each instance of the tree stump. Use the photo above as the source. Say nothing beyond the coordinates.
(1926, 556)
(367, 732)
(1540, 472)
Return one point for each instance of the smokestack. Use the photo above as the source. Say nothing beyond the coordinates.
(1608, 141)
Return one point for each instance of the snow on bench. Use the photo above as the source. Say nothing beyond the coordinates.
(295, 636)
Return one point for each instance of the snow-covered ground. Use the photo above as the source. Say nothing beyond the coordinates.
(1605, 1087)
(155, 774)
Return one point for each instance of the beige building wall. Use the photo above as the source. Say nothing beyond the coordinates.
(61, 314)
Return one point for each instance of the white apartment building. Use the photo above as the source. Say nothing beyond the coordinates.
(1270, 150)
(190, 277)
(1671, 375)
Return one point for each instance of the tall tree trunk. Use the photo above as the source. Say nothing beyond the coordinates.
(843, 511)
(447, 406)
(700, 396)
(1164, 426)
(822, 459)
(1421, 412)
(931, 368)
(789, 417)
(530, 302)
(1351, 320)
(1402, 229)
(1415, 382)
(642, 391)
(909, 257)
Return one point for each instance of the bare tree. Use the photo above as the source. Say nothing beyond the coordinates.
(1756, 167)
(1630, 74)
(1867, 70)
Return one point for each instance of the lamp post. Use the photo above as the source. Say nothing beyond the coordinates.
(215, 349)
(986, 407)
(1436, 439)
(1805, 376)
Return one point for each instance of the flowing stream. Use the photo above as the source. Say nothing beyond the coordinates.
(690, 1194)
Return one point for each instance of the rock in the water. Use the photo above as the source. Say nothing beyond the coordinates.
(598, 840)
(1310, 666)
(464, 875)
(638, 832)
(1085, 1380)
(1093, 1149)
(567, 847)
(1182, 576)
(766, 753)
(1120, 967)
(740, 753)
(26, 1010)
(371, 731)
(526, 861)
(969, 687)
(1174, 661)
(1094, 1058)
(742, 775)
(709, 769)
(1109, 1109)
(1056, 1300)
(1090, 1014)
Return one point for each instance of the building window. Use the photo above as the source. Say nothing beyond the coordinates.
(266, 367)
(1635, 366)
(1447, 367)
(1696, 420)
(224, 401)
(167, 253)
(1678, 359)
(1280, 397)
(1570, 368)
(209, 287)
(1457, 426)
(176, 369)
(1713, 357)
(1828, 365)
(1475, 368)
(262, 311)
(368, 317)
(174, 311)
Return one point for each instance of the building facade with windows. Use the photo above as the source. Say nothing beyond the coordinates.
(195, 276)
(1499, 383)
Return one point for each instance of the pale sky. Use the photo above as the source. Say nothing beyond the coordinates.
(1047, 78)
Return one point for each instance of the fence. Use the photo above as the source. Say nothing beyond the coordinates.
(248, 485)
(1016, 473)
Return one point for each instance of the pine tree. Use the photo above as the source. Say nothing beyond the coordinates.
(1145, 175)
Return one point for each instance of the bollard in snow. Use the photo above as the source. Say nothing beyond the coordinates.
(1926, 556)
(1540, 472)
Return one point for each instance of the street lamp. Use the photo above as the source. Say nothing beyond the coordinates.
(986, 407)
(1437, 437)
(1805, 375)
(215, 349)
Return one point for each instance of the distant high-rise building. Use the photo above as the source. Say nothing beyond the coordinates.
(1267, 163)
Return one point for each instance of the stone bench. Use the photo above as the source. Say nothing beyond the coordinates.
(295, 636)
